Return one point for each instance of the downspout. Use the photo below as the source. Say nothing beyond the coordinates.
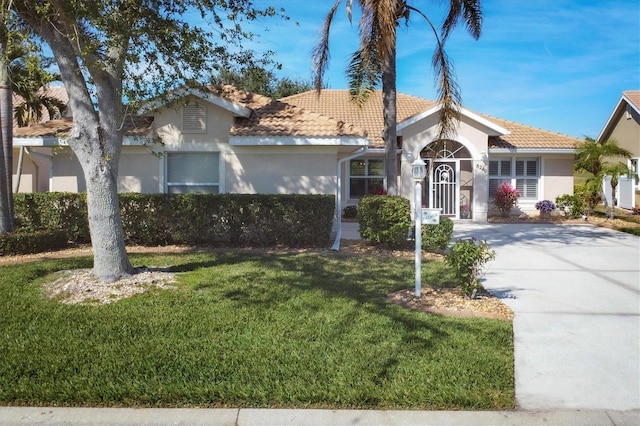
(16, 183)
(338, 216)
(49, 158)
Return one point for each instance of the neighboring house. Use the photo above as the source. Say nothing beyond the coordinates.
(228, 140)
(30, 164)
(624, 126)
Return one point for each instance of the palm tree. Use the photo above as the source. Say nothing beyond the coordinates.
(375, 62)
(30, 81)
(6, 122)
(595, 158)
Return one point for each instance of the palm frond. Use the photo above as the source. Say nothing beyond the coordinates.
(321, 54)
(469, 11)
(364, 76)
(448, 90)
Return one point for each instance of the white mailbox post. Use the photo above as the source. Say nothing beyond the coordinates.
(418, 172)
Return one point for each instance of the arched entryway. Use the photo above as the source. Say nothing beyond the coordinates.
(449, 181)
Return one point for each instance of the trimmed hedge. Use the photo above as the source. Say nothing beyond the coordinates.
(386, 220)
(32, 242)
(190, 219)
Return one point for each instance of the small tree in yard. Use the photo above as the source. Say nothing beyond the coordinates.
(110, 51)
(467, 259)
(597, 158)
(506, 198)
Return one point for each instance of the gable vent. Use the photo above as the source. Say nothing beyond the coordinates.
(194, 118)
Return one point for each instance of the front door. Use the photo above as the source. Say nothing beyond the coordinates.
(444, 188)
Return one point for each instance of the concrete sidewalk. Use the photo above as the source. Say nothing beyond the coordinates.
(250, 417)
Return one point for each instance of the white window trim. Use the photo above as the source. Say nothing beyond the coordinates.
(165, 172)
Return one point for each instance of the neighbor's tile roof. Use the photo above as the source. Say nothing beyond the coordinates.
(134, 126)
(271, 118)
(338, 105)
(57, 92)
(633, 96)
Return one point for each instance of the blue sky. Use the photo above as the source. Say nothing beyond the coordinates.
(559, 65)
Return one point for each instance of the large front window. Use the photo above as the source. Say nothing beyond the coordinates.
(521, 173)
(193, 172)
(366, 177)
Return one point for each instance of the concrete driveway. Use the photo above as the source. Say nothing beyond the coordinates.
(575, 292)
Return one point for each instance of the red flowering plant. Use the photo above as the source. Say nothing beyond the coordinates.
(505, 198)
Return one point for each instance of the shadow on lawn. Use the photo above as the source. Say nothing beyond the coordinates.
(365, 280)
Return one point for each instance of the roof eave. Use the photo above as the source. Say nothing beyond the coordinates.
(53, 141)
(494, 150)
(233, 107)
(297, 141)
(495, 130)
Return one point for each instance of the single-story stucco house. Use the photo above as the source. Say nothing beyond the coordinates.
(226, 140)
(623, 126)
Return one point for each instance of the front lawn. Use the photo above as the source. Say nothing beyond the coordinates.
(247, 329)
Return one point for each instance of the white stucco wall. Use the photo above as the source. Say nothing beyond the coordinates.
(280, 170)
(138, 171)
(557, 176)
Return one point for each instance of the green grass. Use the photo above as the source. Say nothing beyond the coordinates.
(251, 330)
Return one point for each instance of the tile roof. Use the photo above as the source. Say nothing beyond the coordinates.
(527, 137)
(134, 126)
(271, 118)
(633, 96)
(338, 105)
(329, 114)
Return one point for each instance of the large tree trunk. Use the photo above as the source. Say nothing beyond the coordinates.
(389, 93)
(110, 261)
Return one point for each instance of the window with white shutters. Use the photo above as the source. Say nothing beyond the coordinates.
(527, 177)
(521, 173)
(499, 173)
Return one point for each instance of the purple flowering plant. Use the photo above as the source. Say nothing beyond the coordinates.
(545, 206)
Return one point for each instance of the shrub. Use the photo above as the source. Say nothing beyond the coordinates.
(192, 219)
(467, 259)
(437, 237)
(64, 211)
(32, 242)
(545, 206)
(506, 198)
(384, 219)
(590, 195)
(572, 205)
(350, 212)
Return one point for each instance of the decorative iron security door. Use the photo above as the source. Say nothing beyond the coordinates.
(444, 188)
